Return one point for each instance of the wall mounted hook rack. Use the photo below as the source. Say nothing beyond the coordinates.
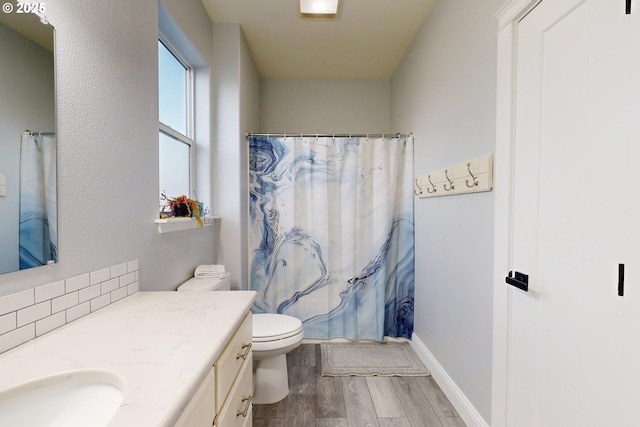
(477, 174)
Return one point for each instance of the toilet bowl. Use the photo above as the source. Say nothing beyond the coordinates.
(274, 335)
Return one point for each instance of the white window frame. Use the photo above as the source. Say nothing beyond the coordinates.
(190, 119)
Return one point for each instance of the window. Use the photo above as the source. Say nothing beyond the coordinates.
(175, 94)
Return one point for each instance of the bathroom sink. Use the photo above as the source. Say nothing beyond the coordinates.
(82, 398)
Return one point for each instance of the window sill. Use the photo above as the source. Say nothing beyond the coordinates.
(168, 225)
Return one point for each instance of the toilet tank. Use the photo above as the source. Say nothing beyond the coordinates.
(198, 284)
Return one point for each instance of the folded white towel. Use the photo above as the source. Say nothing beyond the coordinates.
(210, 271)
(210, 276)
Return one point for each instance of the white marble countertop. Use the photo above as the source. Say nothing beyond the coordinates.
(162, 344)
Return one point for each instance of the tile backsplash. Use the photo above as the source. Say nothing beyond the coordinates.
(33, 312)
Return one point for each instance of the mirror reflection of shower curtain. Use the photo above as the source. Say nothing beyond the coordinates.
(38, 201)
(331, 233)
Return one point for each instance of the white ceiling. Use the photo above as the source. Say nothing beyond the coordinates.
(366, 41)
(29, 25)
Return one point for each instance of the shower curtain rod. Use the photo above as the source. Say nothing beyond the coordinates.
(28, 132)
(329, 135)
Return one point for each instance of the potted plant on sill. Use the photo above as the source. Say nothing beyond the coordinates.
(182, 206)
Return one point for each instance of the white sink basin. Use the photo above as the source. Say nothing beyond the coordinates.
(82, 398)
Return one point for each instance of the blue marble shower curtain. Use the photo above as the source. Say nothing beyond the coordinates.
(38, 201)
(331, 233)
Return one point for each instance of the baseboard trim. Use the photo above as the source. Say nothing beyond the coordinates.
(466, 410)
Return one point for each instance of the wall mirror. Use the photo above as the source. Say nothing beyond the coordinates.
(28, 191)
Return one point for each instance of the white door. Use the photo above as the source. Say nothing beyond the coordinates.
(575, 342)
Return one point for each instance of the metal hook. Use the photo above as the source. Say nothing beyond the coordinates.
(475, 178)
(452, 184)
(419, 192)
(433, 188)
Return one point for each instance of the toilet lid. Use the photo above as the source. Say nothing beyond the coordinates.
(270, 327)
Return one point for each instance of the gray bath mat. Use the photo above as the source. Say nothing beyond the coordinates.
(370, 359)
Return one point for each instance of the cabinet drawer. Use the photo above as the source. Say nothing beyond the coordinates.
(200, 411)
(237, 411)
(232, 359)
(248, 420)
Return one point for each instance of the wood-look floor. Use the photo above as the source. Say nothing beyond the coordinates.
(317, 401)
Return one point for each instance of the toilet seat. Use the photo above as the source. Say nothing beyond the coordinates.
(275, 327)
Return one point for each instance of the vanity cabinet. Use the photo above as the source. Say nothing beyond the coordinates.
(224, 397)
(237, 410)
(199, 411)
(182, 356)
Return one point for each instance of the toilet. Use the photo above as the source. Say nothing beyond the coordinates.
(274, 335)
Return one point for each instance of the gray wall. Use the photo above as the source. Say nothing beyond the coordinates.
(108, 147)
(444, 90)
(325, 106)
(237, 105)
(250, 111)
(27, 101)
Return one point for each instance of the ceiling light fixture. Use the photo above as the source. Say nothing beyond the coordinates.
(326, 8)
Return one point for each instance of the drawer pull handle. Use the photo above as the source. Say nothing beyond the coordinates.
(247, 399)
(247, 349)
